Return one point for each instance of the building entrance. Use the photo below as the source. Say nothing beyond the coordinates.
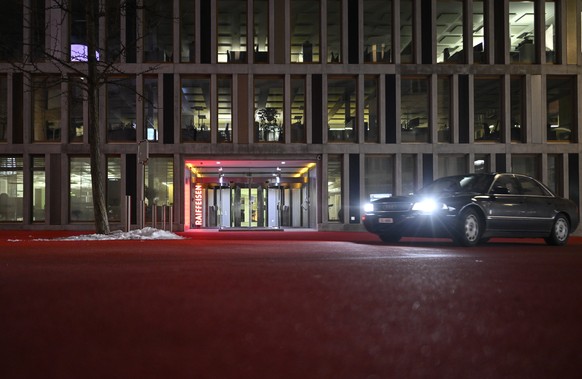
(251, 194)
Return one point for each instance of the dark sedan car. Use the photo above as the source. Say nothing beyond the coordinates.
(471, 208)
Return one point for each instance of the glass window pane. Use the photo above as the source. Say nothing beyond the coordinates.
(298, 109)
(305, 28)
(76, 101)
(113, 30)
(80, 190)
(46, 96)
(408, 173)
(341, 110)
(261, 30)
(334, 31)
(121, 106)
(414, 109)
(479, 50)
(406, 31)
(555, 167)
(3, 107)
(159, 185)
(232, 31)
(334, 188)
(522, 31)
(38, 189)
(187, 31)
(551, 36)
(371, 109)
(269, 125)
(11, 188)
(453, 164)
(527, 164)
(517, 108)
(378, 31)
(114, 188)
(449, 31)
(151, 107)
(224, 109)
(158, 28)
(444, 109)
(38, 29)
(196, 109)
(78, 30)
(561, 108)
(379, 176)
(487, 109)
(11, 31)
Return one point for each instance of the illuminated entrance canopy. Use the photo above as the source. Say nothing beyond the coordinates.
(249, 193)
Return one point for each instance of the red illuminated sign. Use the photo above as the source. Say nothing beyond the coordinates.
(198, 204)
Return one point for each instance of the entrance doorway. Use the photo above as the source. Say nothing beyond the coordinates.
(251, 194)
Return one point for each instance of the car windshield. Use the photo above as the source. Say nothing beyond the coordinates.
(459, 183)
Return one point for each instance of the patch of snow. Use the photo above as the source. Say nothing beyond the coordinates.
(118, 235)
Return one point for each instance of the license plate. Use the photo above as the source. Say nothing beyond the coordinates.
(385, 220)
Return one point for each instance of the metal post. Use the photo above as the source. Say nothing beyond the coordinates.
(154, 215)
(127, 213)
(171, 216)
(164, 217)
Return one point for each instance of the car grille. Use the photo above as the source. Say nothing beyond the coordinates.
(392, 207)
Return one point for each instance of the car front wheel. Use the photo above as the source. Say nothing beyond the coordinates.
(560, 232)
(470, 229)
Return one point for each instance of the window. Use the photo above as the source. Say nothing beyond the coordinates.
(187, 31)
(113, 30)
(38, 30)
(159, 185)
(232, 31)
(561, 105)
(80, 190)
(522, 31)
(195, 109)
(3, 107)
(526, 164)
(414, 109)
(444, 109)
(46, 108)
(11, 189)
(121, 107)
(114, 188)
(224, 109)
(371, 109)
(449, 35)
(409, 173)
(305, 29)
(378, 31)
(334, 31)
(158, 28)
(530, 187)
(341, 110)
(453, 164)
(481, 163)
(334, 188)
(261, 31)
(479, 50)
(11, 31)
(517, 99)
(269, 125)
(406, 31)
(379, 176)
(298, 109)
(551, 36)
(78, 29)
(555, 170)
(151, 106)
(487, 100)
(76, 104)
(38, 189)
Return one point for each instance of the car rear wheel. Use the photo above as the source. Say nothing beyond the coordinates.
(560, 231)
(390, 237)
(470, 229)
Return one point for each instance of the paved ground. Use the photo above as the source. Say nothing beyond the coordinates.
(288, 305)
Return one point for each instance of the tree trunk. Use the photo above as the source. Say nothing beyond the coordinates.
(97, 158)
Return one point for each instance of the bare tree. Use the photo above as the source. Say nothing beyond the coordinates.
(94, 64)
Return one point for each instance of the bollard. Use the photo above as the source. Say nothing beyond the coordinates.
(171, 217)
(154, 215)
(164, 217)
(127, 213)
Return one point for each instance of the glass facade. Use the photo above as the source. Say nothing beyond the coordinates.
(381, 95)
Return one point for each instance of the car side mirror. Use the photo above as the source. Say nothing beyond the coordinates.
(500, 190)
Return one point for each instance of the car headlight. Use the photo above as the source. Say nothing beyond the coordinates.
(428, 206)
(368, 207)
